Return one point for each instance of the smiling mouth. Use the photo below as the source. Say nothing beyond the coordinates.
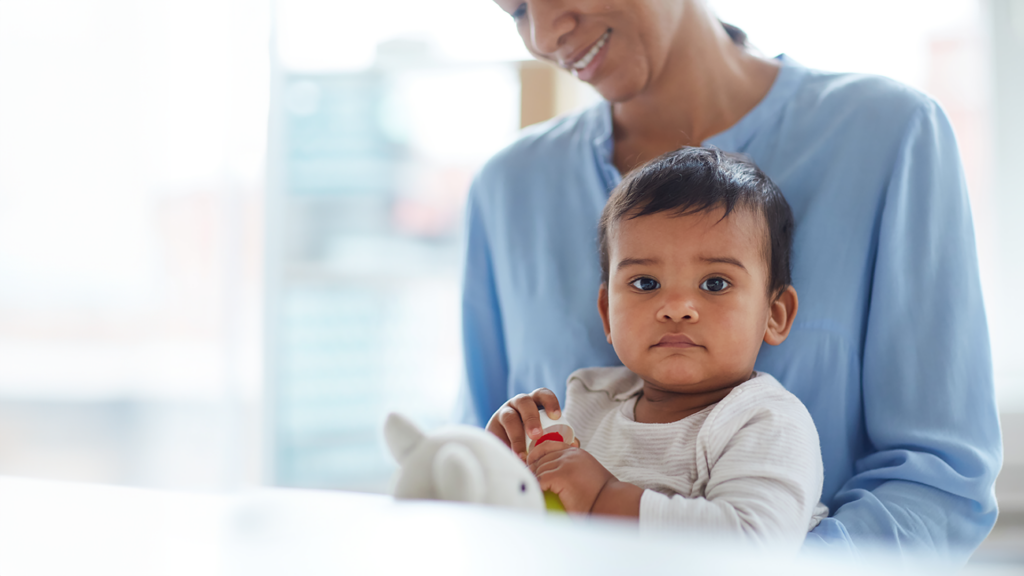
(589, 56)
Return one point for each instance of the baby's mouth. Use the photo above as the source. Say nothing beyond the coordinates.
(676, 341)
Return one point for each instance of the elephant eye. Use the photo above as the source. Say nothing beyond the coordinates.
(522, 487)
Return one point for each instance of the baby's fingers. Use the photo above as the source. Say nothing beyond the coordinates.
(512, 424)
(495, 427)
(547, 400)
(529, 415)
(539, 452)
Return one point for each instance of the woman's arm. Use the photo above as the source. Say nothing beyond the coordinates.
(483, 339)
(929, 407)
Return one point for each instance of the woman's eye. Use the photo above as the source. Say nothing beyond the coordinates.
(520, 12)
(645, 284)
(714, 284)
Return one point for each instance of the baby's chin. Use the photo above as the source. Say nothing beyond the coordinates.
(689, 379)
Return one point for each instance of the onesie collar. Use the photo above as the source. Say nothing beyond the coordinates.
(618, 382)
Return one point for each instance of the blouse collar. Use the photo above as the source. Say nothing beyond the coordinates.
(733, 139)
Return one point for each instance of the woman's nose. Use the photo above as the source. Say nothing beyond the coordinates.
(550, 22)
(678, 308)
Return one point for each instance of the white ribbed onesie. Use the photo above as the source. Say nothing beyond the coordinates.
(749, 465)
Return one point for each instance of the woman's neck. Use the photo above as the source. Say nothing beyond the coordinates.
(706, 85)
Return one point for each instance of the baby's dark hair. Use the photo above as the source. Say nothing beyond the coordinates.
(696, 180)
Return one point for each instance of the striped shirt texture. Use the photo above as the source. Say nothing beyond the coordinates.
(748, 466)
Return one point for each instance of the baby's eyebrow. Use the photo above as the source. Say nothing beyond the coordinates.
(722, 260)
(626, 262)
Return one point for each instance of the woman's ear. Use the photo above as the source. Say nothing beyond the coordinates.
(602, 309)
(780, 316)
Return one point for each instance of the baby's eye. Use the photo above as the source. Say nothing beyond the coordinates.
(645, 284)
(714, 284)
(520, 12)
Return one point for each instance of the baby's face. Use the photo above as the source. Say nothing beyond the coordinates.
(686, 305)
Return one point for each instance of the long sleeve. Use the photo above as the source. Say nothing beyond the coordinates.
(930, 415)
(758, 476)
(486, 382)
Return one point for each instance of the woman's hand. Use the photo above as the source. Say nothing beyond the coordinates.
(520, 417)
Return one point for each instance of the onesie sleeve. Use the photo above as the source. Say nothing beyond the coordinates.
(926, 483)
(759, 473)
(486, 385)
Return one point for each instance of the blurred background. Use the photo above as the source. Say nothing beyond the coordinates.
(230, 231)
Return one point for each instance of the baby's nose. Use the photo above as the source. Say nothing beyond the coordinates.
(679, 310)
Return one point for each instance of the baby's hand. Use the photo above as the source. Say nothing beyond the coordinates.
(520, 417)
(572, 473)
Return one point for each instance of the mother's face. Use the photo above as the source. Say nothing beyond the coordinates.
(618, 46)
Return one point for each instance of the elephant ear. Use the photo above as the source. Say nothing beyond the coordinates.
(402, 436)
(458, 475)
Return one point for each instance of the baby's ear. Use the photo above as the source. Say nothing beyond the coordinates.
(780, 316)
(602, 309)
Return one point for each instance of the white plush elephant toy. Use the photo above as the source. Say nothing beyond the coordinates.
(461, 464)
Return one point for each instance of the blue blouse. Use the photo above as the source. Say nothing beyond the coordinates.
(889, 350)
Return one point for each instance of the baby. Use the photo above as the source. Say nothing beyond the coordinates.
(695, 250)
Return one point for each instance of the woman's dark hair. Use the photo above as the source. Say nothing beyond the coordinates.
(695, 180)
(736, 33)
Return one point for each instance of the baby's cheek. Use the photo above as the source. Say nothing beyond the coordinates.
(623, 326)
(743, 335)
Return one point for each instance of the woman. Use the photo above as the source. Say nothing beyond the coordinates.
(890, 350)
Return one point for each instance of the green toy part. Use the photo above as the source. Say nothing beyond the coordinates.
(553, 503)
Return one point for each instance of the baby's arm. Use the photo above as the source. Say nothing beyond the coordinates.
(760, 467)
(581, 482)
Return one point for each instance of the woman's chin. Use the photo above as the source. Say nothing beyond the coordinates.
(615, 95)
(619, 82)
(616, 90)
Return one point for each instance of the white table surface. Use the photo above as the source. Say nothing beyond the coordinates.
(53, 528)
